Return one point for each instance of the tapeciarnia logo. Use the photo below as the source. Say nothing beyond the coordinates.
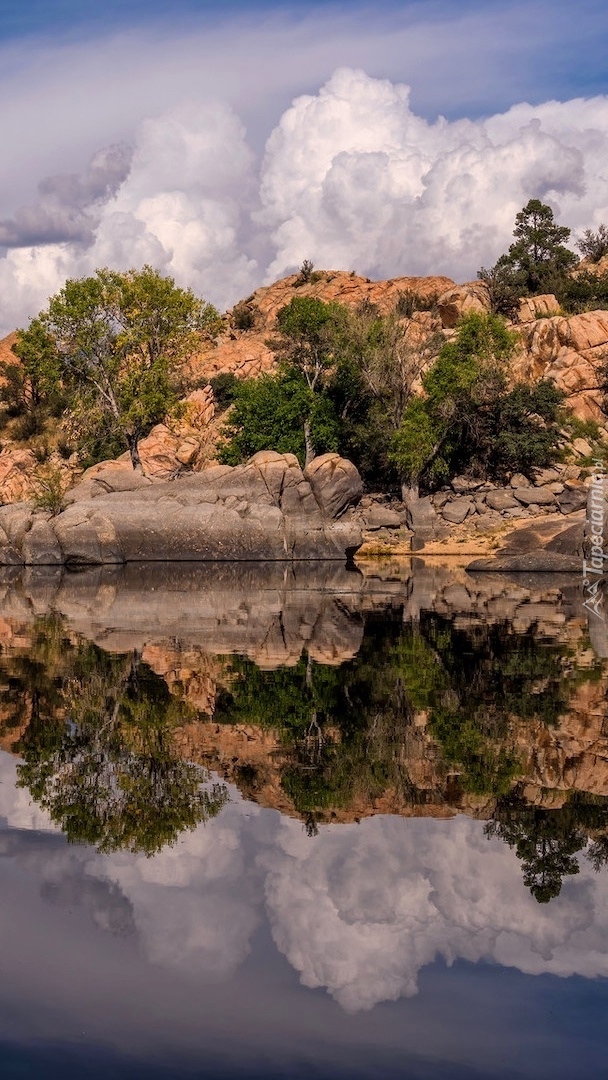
(593, 568)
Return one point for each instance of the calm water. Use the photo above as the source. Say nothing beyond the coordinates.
(257, 822)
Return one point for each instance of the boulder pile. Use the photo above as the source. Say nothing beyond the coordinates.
(485, 506)
(268, 509)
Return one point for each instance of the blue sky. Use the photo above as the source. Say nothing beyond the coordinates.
(217, 142)
(536, 50)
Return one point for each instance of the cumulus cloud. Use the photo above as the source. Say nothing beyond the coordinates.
(179, 200)
(362, 910)
(351, 178)
(69, 205)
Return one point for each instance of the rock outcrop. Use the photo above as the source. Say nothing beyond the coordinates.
(567, 350)
(470, 298)
(267, 509)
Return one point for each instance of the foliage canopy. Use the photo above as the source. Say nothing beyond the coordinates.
(110, 346)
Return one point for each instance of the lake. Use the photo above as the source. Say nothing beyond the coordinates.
(302, 821)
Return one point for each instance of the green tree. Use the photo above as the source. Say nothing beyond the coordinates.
(467, 379)
(309, 332)
(113, 344)
(537, 261)
(35, 380)
(594, 245)
(270, 413)
(547, 841)
(344, 380)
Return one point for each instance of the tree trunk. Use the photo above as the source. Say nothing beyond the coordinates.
(132, 441)
(410, 492)
(310, 450)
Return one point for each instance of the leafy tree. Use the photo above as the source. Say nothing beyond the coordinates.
(467, 379)
(31, 386)
(547, 841)
(594, 245)
(547, 854)
(537, 262)
(309, 332)
(344, 380)
(524, 430)
(112, 344)
(270, 413)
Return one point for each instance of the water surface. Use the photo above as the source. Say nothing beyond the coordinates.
(261, 822)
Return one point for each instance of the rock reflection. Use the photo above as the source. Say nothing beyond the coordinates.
(325, 694)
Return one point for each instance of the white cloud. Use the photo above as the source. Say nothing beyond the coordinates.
(352, 178)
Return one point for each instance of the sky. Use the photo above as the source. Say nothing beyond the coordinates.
(224, 143)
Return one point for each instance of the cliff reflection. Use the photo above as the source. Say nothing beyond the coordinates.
(444, 697)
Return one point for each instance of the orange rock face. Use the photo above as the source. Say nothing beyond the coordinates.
(17, 468)
(461, 300)
(568, 350)
(537, 307)
(345, 288)
(246, 352)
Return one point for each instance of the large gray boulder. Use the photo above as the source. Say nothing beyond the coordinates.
(267, 509)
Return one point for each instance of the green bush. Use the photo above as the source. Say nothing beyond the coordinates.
(49, 489)
(468, 421)
(594, 245)
(269, 414)
(585, 292)
(225, 388)
(243, 316)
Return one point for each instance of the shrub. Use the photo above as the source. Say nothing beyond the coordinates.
(585, 292)
(408, 302)
(41, 451)
(305, 273)
(243, 316)
(65, 449)
(594, 245)
(49, 489)
(225, 387)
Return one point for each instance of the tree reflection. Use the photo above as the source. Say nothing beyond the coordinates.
(98, 748)
(348, 733)
(428, 712)
(547, 841)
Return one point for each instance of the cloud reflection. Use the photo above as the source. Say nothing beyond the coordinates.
(359, 910)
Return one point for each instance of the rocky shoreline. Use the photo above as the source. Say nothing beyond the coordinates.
(267, 510)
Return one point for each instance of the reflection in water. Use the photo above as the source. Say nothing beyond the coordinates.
(434, 714)
(348, 709)
(97, 745)
(347, 734)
